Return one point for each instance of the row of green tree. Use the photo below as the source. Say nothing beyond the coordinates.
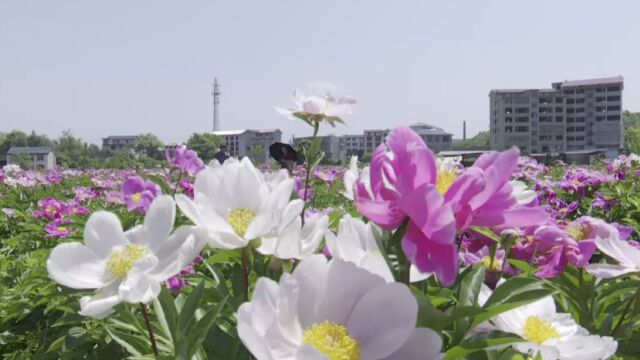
(631, 131)
(73, 152)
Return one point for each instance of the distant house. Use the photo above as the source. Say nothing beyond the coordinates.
(117, 143)
(42, 157)
(332, 145)
(250, 142)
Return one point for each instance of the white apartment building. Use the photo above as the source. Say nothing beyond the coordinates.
(331, 145)
(435, 138)
(249, 142)
(570, 116)
(42, 157)
(353, 145)
(118, 142)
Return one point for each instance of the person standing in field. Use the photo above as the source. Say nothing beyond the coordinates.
(222, 154)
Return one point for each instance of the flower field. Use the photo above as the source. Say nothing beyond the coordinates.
(408, 257)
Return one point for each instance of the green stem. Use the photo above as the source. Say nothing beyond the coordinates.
(316, 127)
(624, 312)
(245, 272)
(175, 189)
(152, 337)
(395, 243)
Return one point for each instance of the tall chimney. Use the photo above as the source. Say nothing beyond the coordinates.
(464, 130)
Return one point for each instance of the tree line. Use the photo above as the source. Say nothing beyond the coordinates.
(72, 152)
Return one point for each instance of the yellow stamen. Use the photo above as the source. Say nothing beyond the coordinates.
(579, 232)
(51, 210)
(445, 180)
(538, 330)
(494, 265)
(240, 219)
(333, 340)
(121, 261)
(136, 197)
(61, 229)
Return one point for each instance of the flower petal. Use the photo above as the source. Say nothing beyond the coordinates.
(75, 266)
(101, 304)
(158, 221)
(423, 344)
(380, 333)
(103, 232)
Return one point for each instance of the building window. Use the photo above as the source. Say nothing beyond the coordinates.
(570, 128)
(600, 89)
(599, 118)
(522, 129)
(559, 109)
(601, 98)
(613, 98)
(570, 101)
(522, 119)
(559, 119)
(579, 101)
(522, 110)
(508, 119)
(580, 119)
(570, 119)
(613, 117)
(613, 108)
(559, 137)
(570, 111)
(613, 88)
(508, 129)
(601, 108)
(559, 100)
(580, 91)
(39, 157)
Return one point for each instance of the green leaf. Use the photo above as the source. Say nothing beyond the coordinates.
(487, 232)
(428, 315)
(201, 328)
(511, 287)
(470, 286)
(134, 345)
(166, 312)
(188, 311)
(480, 342)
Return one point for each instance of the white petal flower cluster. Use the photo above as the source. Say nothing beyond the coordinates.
(325, 106)
(548, 333)
(627, 256)
(334, 310)
(124, 266)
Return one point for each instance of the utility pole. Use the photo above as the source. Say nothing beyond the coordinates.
(216, 104)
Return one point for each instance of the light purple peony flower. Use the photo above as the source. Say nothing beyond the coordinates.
(298, 183)
(177, 282)
(139, 194)
(185, 160)
(58, 228)
(50, 208)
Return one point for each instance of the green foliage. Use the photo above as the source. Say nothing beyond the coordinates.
(69, 150)
(478, 142)
(149, 145)
(205, 144)
(24, 160)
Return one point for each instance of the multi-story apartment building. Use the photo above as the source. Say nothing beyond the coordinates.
(571, 115)
(248, 142)
(353, 145)
(373, 138)
(436, 138)
(332, 145)
(117, 143)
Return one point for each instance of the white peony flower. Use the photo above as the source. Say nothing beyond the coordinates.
(233, 203)
(350, 177)
(333, 310)
(313, 106)
(292, 240)
(356, 243)
(626, 255)
(551, 334)
(124, 266)
(521, 193)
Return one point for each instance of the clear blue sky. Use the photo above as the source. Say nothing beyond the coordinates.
(126, 67)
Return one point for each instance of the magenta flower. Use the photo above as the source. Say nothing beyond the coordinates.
(555, 249)
(326, 175)
(58, 228)
(50, 208)
(298, 184)
(402, 185)
(177, 282)
(484, 196)
(139, 194)
(185, 160)
(187, 187)
(72, 207)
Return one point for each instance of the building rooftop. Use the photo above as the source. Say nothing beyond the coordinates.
(242, 131)
(121, 137)
(598, 81)
(567, 83)
(29, 150)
